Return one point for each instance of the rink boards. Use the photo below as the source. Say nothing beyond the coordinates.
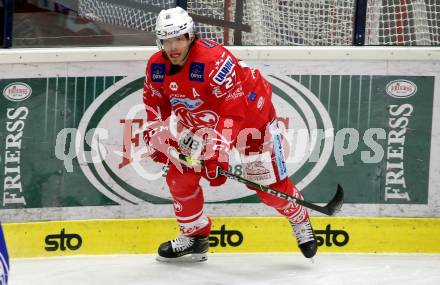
(229, 234)
(381, 99)
(366, 118)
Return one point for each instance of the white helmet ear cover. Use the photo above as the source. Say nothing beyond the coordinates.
(172, 23)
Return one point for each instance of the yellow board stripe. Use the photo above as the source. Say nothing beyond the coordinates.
(231, 234)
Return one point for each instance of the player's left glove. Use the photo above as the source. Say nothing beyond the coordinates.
(218, 158)
(212, 171)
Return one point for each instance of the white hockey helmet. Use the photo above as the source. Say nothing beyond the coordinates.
(172, 23)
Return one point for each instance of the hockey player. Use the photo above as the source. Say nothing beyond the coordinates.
(220, 103)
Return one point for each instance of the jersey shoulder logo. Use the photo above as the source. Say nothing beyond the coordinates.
(207, 43)
(224, 71)
(196, 71)
(157, 72)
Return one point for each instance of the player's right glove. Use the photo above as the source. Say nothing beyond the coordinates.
(158, 137)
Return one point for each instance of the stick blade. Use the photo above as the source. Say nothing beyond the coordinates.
(336, 203)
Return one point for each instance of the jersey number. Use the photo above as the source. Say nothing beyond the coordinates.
(229, 82)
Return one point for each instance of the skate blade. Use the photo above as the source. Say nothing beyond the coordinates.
(189, 258)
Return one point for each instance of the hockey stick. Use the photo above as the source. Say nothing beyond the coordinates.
(332, 207)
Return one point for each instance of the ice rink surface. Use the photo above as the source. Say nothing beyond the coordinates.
(229, 269)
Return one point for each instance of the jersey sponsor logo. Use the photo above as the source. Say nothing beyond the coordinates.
(190, 104)
(218, 92)
(256, 168)
(196, 71)
(178, 95)
(237, 93)
(259, 168)
(224, 71)
(174, 86)
(255, 171)
(252, 96)
(205, 118)
(157, 72)
(207, 43)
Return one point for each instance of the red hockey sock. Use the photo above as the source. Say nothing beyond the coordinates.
(294, 212)
(190, 216)
(188, 202)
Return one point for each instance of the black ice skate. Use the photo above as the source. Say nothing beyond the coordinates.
(306, 238)
(184, 249)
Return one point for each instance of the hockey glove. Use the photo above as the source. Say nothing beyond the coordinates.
(158, 137)
(212, 172)
(219, 159)
(159, 157)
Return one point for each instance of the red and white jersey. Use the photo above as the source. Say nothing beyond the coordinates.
(210, 90)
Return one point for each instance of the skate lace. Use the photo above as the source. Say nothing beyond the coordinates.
(303, 232)
(181, 243)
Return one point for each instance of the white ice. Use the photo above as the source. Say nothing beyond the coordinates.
(231, 269)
